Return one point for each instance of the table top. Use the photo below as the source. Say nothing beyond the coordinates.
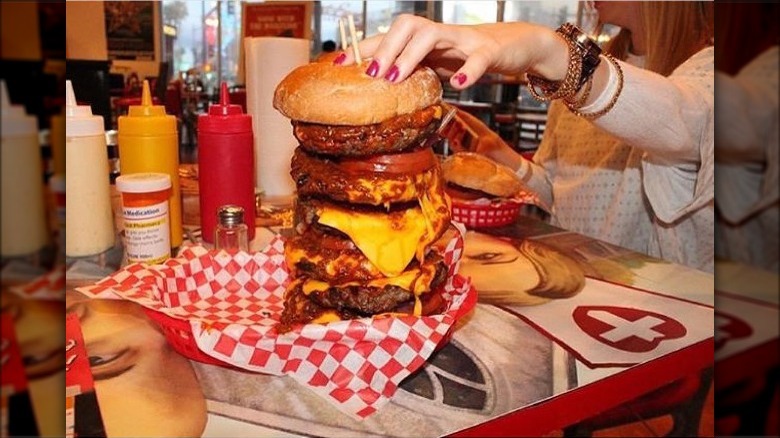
(746, 318)
(520, 363)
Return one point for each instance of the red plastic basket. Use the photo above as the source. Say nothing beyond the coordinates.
(178, 332)
(477, 215)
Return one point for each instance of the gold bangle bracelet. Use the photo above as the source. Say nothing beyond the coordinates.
(575, 102)
(566, 88)
(613, 101)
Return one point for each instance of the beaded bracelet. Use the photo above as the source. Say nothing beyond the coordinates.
(550, 90)
(583, 60)
(596, 114)
(575, 102)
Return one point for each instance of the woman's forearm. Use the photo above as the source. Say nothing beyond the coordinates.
(663, 116)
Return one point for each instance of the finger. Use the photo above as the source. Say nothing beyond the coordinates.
(367, 47)
(473, 69)
(413, 54)
(403, 30)
(443, 72)
(437, 60)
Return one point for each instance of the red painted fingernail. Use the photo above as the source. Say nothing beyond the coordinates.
(339, 59)
(372, 69)
(460, 78)
(392, 74)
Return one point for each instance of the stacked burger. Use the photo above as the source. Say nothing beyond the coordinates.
(371, 201)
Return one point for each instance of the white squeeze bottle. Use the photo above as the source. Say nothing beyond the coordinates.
(23, 209)
(89, 220)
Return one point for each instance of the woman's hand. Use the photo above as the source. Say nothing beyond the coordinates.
(463, 53)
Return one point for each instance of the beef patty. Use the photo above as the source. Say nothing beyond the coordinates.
(355, 301)
(335, 259)
(316, 175)
(392, 135)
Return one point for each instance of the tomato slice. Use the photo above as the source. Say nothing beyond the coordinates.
(400, 164)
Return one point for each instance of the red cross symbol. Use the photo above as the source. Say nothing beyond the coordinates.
(632, 330)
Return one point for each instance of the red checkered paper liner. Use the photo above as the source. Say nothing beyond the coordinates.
(49, 286)
(233, 302)
(527, 197)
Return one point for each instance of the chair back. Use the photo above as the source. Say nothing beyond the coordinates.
(531, 125)
(173, 100)
(449, 93)
(503, 121)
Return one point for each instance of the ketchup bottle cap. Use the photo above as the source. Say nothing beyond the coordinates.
(224, 117)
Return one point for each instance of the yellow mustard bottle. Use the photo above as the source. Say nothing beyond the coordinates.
(148, 142)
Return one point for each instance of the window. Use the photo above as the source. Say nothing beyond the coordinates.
(203, 38)
(550, 13)
(469, 12)
(230, 25)
(380, 14)
(332, 10)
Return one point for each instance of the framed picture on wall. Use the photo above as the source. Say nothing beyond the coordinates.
(277, 19)
(273, 19)
(130, 30)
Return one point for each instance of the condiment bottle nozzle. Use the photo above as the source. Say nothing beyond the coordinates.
(224, 107)
(224, 98)
(146, 95)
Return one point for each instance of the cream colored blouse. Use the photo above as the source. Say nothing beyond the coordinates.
(641, 176)
(747, 190)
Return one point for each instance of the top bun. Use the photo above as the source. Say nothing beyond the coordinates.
(324, 93)
(477, 172)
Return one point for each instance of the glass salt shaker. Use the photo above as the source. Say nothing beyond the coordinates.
(231, 232)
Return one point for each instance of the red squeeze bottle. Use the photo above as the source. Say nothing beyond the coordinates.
(225, 164)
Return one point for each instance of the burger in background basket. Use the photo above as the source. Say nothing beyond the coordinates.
(484, 193)
(371, 200)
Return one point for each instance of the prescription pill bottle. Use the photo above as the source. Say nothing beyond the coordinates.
(145, 215)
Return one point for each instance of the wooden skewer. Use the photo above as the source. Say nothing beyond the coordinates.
(353, 36)
(343, 34)
(447, 118)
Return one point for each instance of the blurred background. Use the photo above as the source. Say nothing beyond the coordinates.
(32, 68)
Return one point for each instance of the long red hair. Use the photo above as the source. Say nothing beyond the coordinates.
(674, 31)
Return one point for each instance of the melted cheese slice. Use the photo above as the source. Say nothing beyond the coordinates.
(341, 262)
(417, 281)
(388, 244)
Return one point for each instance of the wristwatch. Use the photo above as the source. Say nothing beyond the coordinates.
(590, 50)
